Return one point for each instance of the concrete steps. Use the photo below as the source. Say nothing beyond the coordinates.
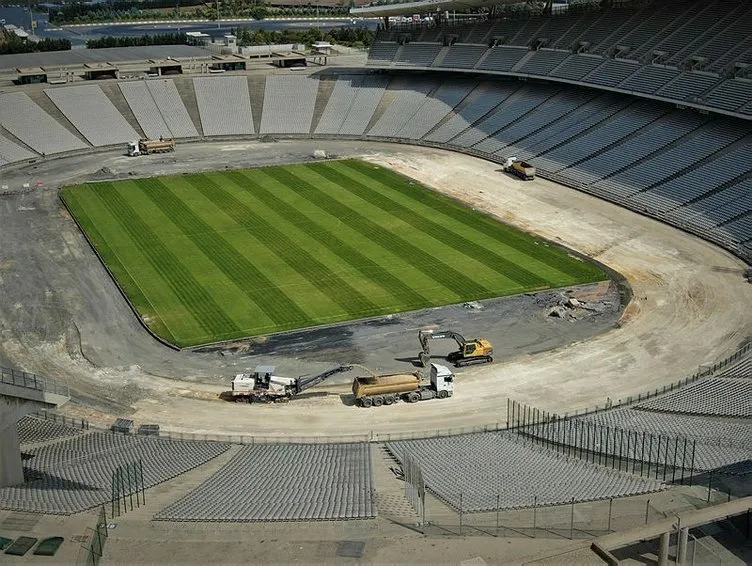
(188, 95)
(44, 102)
(256, 88)
(326, 86)
(164, 495)
(113, 92)
(391, 501)
(386, 101)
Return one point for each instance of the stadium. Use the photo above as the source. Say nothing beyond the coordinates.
(321, 217)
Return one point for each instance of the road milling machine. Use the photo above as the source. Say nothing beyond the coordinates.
(262, 386)
(469, 352)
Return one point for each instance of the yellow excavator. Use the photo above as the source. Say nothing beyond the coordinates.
(475, 351)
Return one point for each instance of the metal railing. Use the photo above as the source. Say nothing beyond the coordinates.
(83, 424)
(28, 380)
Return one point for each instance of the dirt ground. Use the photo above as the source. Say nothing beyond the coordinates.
(61, 315)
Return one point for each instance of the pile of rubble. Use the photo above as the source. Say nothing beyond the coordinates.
(565, 306)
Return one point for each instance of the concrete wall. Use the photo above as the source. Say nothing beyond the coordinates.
(11, 410)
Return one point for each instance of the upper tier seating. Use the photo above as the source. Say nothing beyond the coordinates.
(680, 50)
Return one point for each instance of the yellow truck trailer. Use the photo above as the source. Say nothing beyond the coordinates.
(378, 390)
(520, 168)
(145, 147)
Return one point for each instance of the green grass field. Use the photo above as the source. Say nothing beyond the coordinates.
(219, 256)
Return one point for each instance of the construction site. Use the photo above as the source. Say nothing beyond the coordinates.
(592, 422)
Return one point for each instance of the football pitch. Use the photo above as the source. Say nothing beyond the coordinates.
(218, 256)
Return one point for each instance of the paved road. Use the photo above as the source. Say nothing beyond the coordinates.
(78, 36)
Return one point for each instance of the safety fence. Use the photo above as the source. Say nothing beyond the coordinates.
(576, 520)
(93, 551)
(660, 456)
(519, 414)
(415, 486)
(83, 424)
(10, 376)
(127, 482)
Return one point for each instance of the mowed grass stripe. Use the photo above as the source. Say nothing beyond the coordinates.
(331, 285)
(497, 246)
(111, 258)
(482, 254)
(280, 308)
(512, 237)
(444, 274)
(210, 316)
(351, 256)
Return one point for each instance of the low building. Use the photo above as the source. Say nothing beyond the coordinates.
(167, 66)
(228, 63)
(31, 75)
(94, 71)
(197, 38)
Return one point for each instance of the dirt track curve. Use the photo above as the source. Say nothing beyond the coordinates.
(691, 306)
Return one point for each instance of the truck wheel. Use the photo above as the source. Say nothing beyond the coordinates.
(378, 401)
(443, 394)
(413, 398)
(366, 402)
(388, 400)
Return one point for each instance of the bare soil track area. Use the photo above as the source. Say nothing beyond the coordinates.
(61, 314)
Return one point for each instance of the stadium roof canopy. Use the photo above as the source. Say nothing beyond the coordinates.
(424, 7)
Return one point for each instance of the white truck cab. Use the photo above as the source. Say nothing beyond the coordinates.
(442, 378)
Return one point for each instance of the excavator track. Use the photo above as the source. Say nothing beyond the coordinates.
(473, 361)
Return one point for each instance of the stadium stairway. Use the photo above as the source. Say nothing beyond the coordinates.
(665, 148)
(256, 89)
(390, 489)
(326, 86)
(44, 102)
(657, 114)
(165, 494)
(113, 92)
(739, 142)
(188, 96)
(440, 57)
(389, 96)
(6, 134)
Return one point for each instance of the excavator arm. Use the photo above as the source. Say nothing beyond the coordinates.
(425, 336)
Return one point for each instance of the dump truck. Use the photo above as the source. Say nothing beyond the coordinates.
(475, 351)
(520, 168)
(262, 386)
(378, 390)
(145, 147)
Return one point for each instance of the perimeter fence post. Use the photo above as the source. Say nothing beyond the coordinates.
(571, 522)
(610, 507)
(498, 511)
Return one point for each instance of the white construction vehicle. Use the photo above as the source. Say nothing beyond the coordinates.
(262, 386)
(145, 147)
(520, 168)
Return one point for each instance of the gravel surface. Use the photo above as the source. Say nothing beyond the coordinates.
(61, 315)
